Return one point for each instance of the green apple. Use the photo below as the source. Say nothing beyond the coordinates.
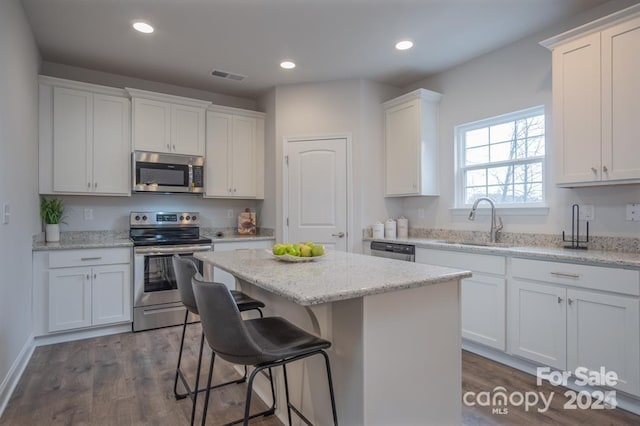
(309, 243)
(317, 250)
(305, 250)
(293, 251)
(279, 249)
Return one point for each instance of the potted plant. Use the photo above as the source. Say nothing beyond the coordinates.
(52, 212)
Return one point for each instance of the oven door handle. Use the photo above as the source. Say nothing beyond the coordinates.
(152, 251)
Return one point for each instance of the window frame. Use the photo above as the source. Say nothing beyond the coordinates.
(460, 150)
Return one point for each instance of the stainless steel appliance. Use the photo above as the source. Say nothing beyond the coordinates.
(155, 172)
(394, 251)
(156, 237)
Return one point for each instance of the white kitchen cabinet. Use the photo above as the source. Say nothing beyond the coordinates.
(483, 295)
(84, 141)
(537, 322)
(596, 102)
(569, 316)
(224, 277)
(79, 289)
(168, 124)
(411, 156)
(235, 154)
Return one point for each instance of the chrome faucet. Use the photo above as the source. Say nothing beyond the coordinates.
(494, 227)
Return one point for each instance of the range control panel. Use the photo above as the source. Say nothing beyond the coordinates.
(164, 219)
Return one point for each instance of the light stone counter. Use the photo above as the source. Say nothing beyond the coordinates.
(337, 276)
(591, 257)
(84, 240)
(394, 327)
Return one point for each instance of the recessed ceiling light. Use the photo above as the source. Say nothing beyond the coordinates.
(143, 27)
(287, 65)
(404, 45)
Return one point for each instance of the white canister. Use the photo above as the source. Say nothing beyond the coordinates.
(403, 227)
(390, 229)
(378, 230)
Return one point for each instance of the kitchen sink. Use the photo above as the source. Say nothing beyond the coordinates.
(472, 243)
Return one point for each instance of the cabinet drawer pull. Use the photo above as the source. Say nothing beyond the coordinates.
(559, 299)
(91, 258)
(95, 276)
(565, 274)
(570, 301)
(88, 277)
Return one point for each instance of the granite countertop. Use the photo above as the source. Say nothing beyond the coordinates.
(337, 276)
(592, 257)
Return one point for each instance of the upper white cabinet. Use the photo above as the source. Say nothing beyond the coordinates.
(411, 155)
(234, 167)
(84, 141)
(170, 124)
(596, 101)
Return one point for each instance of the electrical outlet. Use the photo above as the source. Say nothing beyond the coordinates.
(88, 214)
(633, 212)
(230, 214)
(587, 212)
(6, 213)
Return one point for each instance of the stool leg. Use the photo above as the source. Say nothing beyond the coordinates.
(333, 399)
(247, 406)
(286, 392)
(206, 398)
(195, 391)
(175, 382)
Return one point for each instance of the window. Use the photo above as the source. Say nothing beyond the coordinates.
(502, 158)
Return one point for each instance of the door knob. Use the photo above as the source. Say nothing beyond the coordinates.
(339, 235)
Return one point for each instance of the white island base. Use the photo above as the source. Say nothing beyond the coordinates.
(395, 357)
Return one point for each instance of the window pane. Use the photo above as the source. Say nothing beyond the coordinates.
(476, 156)
(502, 132)
(534, 125)
(476, 177)
(534, 172)
(499, 175)
(519, 173)
(477, 137)
(535, 146)
(518, 193)
(501, 193)
(501, 151)
(473, 193)
(534, 193)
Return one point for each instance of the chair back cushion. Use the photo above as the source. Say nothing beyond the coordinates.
(222, 324)
(185, 269)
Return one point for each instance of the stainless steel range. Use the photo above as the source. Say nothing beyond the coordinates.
(156, 237)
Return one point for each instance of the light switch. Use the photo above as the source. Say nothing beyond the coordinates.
(587, 212)
(230, 214)
(6, 213)
(633, 212)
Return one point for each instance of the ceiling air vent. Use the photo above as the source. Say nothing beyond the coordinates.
(228, 75)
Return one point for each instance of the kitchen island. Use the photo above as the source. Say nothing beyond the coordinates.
(394, 328)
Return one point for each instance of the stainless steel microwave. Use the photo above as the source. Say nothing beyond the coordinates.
(155, 172)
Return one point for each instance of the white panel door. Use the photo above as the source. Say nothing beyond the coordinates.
(69, 298)
(621, 105)
(402, 149)
(187, 130)
(538, 329)
(72, 136)
(151, 125)
(576, 110)
(111, 146)
(317, 192)
(483, 310)
(219, 129)
(603, 332)
(111, 294)
(243, 163)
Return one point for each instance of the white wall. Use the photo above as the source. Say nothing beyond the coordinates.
(345, 107)
(515, 77)
(115, 80)
(112, 213)
(18, 183)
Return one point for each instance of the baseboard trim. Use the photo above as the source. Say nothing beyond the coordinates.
(625, 402)
(10, 382)
(51, 339)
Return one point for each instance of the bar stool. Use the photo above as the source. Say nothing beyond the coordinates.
(263, 343)
(185, 269)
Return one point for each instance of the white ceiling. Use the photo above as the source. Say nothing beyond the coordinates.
(328, 39)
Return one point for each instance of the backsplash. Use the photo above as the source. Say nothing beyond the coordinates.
(620, 244)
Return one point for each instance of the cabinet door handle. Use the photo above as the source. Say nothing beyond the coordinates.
(339, 235)
(88, 277)
(174, 147)
(234, 190)
(570, 301)
(95, 185)
(594, 170)
(168, 147)
(565, 274)
(88, 184)
(604, 169)
(95, 276)
(91, 258)
(559, 299)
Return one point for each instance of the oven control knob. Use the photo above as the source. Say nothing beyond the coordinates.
(188, 217)
(181, 217)
(193, 218)
(144, 218)
(137, 217)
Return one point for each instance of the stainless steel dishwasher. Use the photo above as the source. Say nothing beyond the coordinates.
(397, 251)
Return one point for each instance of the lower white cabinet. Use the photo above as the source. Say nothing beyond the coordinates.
(223, 276)
(75, 289)
(483, 295)
(579, 324)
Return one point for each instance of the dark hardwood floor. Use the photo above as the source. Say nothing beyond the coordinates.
(127, 379)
